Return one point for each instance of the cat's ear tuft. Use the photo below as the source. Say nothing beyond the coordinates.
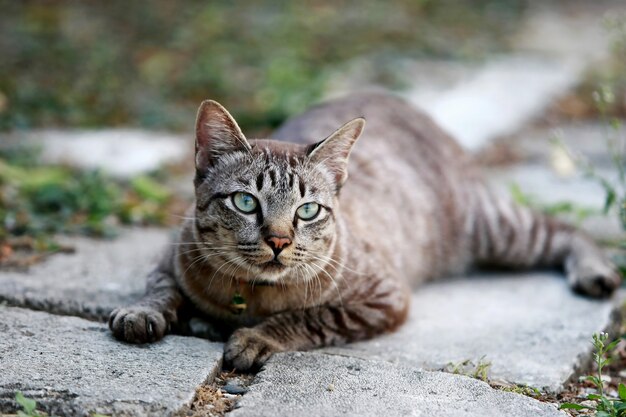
(334, 151)
(217, 133)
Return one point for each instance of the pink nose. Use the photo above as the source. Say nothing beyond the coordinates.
(278, 242)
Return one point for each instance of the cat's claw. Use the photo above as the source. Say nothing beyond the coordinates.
(137, 324)
(248, 348)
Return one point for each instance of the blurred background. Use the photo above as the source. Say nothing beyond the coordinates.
(98, 99)
(149, 64)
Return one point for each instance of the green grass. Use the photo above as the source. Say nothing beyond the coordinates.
(605, 406)
(479, 370)
(151, 63)
(29, 407)
(562, 208)
(38, 201)
(614, 188)
(522, 390)
(57, 199)
(90, 64)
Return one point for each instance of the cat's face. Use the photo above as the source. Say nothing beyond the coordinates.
(273, 213)
(266, 211)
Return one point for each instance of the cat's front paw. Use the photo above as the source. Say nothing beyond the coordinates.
(594, 277)
(249, 348)
(138, 324)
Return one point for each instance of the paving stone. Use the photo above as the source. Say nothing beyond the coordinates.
(100, 276)
(74, 367)
(587, 138)
(467, 110)
(550, 52)
(314, 384)
(530, 327)
(120, 152)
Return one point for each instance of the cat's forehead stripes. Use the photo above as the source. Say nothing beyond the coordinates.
(259, 181)
(280, 167)
(302, 188)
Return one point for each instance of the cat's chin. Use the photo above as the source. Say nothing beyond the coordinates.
(273, 267)
(267, 273)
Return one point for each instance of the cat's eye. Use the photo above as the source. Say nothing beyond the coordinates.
(308, 211)
(245, 202)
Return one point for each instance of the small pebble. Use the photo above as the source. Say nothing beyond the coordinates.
(234, 388)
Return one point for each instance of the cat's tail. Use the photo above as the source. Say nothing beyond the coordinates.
(509, 235)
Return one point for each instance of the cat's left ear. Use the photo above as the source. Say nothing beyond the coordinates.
(217, 134)
(334, 151)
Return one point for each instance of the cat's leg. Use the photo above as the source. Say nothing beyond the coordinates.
(376, 307)
(506, 234)
(149, 319)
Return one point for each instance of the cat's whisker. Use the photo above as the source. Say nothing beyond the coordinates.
(248, 273)
(320, 286)
(195, 251)
(338, 269)
(332, 280)
(209, 247)
(339, 264)
(218, 270)
(203, 244)
(178, 216)
(306, 283)
(212, 252)
(314, 278)
(300, 269)
(234, 265)
(193, 262)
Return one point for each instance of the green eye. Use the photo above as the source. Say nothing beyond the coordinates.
(307, 211)
(245, 202)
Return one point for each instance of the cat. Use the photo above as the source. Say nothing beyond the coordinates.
(285, 253)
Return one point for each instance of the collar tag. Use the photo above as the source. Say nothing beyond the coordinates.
(238, 304)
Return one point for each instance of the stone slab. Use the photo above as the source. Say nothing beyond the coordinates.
(314, 384)
(585, 138)
(530, 327)
(74, 367)
(472, 111)
(120, 152)
(551, 51)
(100, 276)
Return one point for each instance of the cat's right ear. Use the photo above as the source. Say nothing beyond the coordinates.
(333, 152)
(217, 134)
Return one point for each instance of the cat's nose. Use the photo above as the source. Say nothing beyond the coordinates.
(278, 243)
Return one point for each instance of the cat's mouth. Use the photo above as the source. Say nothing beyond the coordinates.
(273, 266)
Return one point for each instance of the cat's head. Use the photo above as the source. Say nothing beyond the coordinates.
(266, 211)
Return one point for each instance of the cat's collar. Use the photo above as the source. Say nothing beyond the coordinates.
(238, 303)
(256, 283)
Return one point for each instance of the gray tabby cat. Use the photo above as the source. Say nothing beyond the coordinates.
(284, 252)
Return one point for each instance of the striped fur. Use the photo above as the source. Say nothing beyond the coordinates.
(414, 209)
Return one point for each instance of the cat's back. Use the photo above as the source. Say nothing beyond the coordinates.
(394, 128)
(398, 138)
(407, 179)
